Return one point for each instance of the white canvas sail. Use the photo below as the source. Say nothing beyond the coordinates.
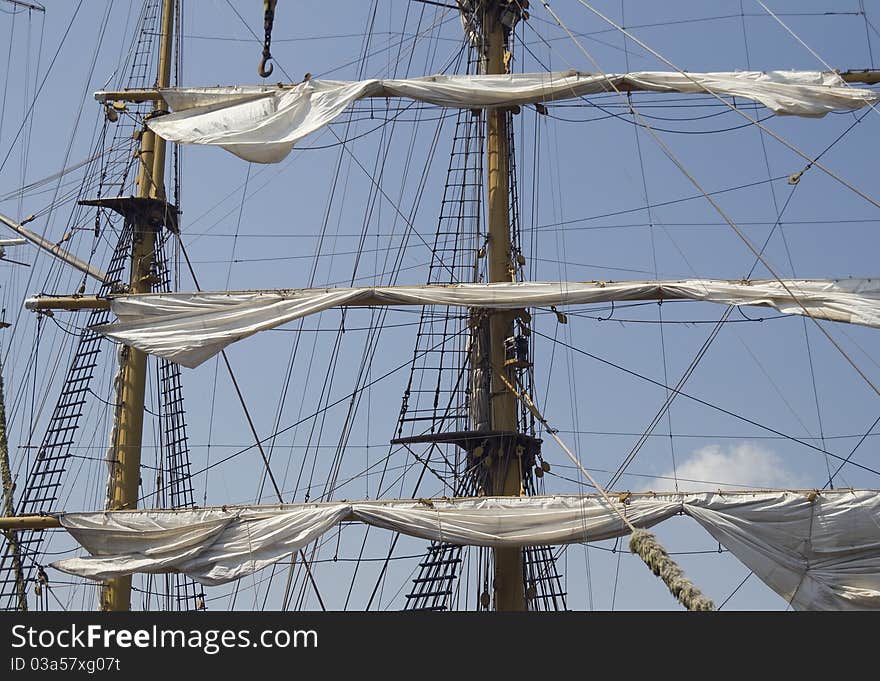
(189, 328)
(817, 550)
(261, 124)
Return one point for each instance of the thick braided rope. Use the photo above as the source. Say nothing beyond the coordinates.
(646, 547)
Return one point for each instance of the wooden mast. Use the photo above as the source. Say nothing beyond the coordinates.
(131, 386)
(505, 471)
(8, 490)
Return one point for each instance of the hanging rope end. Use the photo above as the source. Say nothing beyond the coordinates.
(645, 546)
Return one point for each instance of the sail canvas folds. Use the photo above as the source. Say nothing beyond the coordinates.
(211, 545)
(261, 124)
(189, 328)
(817, 550)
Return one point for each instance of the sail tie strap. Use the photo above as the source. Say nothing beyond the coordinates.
(642, 543)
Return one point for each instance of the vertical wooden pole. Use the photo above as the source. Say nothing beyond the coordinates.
(125, 474)
(505, 473)
(8, 510)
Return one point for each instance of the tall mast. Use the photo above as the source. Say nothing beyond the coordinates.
(8, 490)
(505, 471)
(131, 386)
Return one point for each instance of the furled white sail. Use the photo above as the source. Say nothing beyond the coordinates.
(817, 550)
(189, 328)
(262, 123)
(213, 546)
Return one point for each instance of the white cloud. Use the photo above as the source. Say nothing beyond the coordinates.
(744, 465)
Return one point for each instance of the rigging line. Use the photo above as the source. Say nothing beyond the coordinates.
(863, 351)
(388, 557)
(770, 269)
(807, 47)
(211, 427)
(337, 402)
(546, 41)
(652, 103)
(386, 121)
(29, 134)
(423, 175)
(52, 266)
(733, 593)
(686, 322)
(810, 161)
(32, 272)
(778, 223)
(634, 122)
(524, 397)
(672, 157)
(383, 313)
(365, 42)
(34, 184)
(651, 231)
(307, 38)
(364, 472)
(328, 381)
(671, 394)
(42, 84)
(381, 576)
(697, 552)
(702, 436)
(707, 404)
(554, 168)
(390, 46)
(621, 117)
(650, 429)
(366, 37)
(809, 358)
(719, 484)
(267, 468)
(785, 401)
(425, 464)
(869, 23)
(397, 210)
(253, 431)
(8, 72)
(867, 32)
(849, 456)
(674, 22)
(230, 193)
(616, 571)
(257, 39)
(794, 35)
(661, 204)
(653, 100)
(237, 389)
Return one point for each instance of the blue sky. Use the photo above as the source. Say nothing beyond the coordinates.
(587, 175)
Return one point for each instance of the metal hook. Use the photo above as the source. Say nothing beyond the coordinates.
(262, 70)
(268, 19)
